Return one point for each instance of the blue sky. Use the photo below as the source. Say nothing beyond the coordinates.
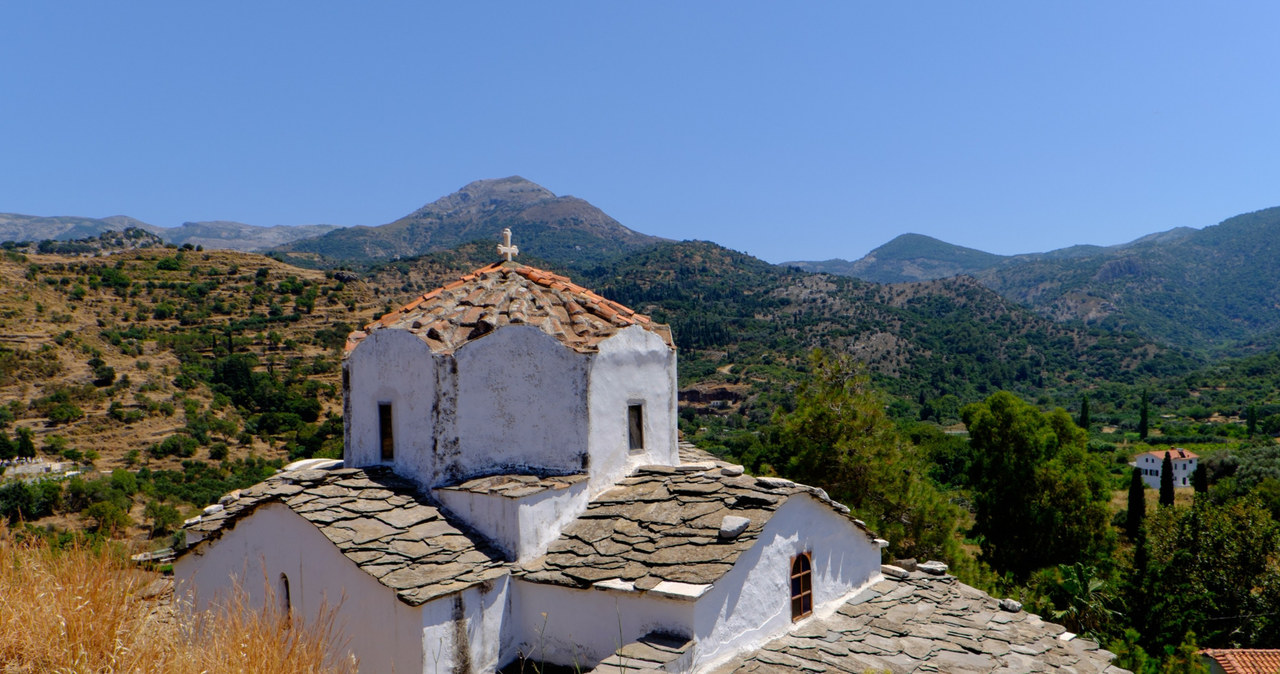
(786, 130)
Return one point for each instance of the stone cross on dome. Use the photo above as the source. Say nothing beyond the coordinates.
(505, 248)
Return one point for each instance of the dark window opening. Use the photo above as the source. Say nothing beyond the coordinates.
(286, 602)
(386, 435)
(801, 587)
(635, 426)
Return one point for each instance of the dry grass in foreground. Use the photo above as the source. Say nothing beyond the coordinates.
(77, 610)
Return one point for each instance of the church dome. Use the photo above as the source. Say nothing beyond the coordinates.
(510, 293)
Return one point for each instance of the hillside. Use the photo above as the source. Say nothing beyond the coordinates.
(123, 352)
(907, 258)
(18, 227)
(562, 228)
(1212, 290)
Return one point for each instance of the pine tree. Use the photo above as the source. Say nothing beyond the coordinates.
(1142, 417)
(1200, 479)
(1137, 504)
(1166, 480)
(1083, 421)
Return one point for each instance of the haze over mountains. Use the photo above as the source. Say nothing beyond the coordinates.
(221, 234)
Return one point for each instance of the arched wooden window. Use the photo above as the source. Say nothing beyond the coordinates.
(801, 586)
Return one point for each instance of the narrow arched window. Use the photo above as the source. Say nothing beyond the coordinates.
(286, 601)
(801, 586)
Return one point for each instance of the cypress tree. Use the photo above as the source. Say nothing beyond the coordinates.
(1142, 418)
(1200, 479)
(1253, 420)
(7, 450)
(1137, 504)
(1166, 481)
(1083, 421)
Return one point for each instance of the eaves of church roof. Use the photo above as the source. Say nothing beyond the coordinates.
(509, 293)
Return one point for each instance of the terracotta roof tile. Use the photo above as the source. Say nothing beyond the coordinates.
(511, 293)
(1245, 660)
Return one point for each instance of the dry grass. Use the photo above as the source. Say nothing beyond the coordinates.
(83, 611)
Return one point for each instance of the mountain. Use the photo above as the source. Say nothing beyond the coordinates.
(18, 227)
(565, 229)
(227, 235)
(909, 257)
(1208, 290)
(220, 234)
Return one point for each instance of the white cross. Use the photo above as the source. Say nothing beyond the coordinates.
(505, 248)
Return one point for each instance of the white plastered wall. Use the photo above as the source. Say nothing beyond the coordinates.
(382, 631)
(392, 366)
(476, 616)
(752, 603)
(580, 628)
(633, 366)
(521, 404)
(523, 527)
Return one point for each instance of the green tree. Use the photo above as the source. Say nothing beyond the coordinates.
(1200, 479)
(1212, 571)
(1137, 504)
(1040, 498)
(26, 443)
(107, 517)
(1252, 420)
(1087, 601)
(1083, 420)
(1166, 481)
(7, 449)
(162, 516)
(1143, 416)
(838, 437)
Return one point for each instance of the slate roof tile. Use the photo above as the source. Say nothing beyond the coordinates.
(379, 521)
(663, 523)
(911, 625)
(511, 293)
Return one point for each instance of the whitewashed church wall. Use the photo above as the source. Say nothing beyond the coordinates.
(752, 603)
(392, 366)
(633, 366)
(382, 631)
(521, 403)
(522, 527)
(474, 619)
(580, 628)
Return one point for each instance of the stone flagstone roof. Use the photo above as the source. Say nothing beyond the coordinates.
(685, 524)
(925, 623)
(510, 293)
(378, 520)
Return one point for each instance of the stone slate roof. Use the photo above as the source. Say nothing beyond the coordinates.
(1245, 660)
(378, 520)
(509, 293)
(925, 623)
(516, 485)
(664, 523)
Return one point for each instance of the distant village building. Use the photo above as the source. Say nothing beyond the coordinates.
(1151, 463)
(512, 488)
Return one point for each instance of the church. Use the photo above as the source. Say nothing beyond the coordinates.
(512, 490)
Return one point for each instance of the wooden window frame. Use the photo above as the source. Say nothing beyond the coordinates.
(635, 426)
(801, 586)
(386, 432)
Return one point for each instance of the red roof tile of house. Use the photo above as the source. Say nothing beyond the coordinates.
(1175, 453)
(1245, 660)
(509, 293)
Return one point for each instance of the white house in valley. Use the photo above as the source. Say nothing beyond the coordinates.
(512, 488)
(1152, 464)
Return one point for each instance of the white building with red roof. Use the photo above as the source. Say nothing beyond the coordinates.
(1152, 464)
